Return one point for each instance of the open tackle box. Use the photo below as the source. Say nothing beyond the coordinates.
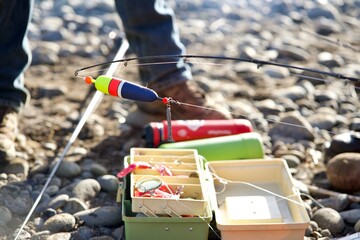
(186, 179)
(250, 199)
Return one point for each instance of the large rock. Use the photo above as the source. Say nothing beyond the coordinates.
(343, 172)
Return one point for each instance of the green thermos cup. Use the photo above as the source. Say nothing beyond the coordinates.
(232, 147)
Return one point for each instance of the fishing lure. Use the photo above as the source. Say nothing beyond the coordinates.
(123, 89)
(132, 167)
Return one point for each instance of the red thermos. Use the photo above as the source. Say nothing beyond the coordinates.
(183, 130)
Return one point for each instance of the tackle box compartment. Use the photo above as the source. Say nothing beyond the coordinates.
(162, 227)
(186, 169)
(243, 205)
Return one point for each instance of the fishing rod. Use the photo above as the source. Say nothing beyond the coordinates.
(185, 57)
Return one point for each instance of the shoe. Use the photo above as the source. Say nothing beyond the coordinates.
(193, 104)
(8, 133)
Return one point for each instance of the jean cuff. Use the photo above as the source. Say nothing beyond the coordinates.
(17, 106)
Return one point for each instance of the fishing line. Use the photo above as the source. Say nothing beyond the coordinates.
(226, 181)
(92, 106)
(327, 39)
(312, 199)
(249, 117)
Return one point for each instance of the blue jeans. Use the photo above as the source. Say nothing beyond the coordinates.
(149, 26)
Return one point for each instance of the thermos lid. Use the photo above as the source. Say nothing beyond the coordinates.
(153, 132)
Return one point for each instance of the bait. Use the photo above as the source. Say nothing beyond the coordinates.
(123, 89)
(132, 167)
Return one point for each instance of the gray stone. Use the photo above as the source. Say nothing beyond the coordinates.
(292, 126)
(328, 218)
(18, 203)
(338, 202)
(59, 236)
(344, 142)
(58, 201)
(51, 190)
(357, 226)
(118, 232)
(68, 169)
(97, 169)
(84, 233)
(291, 160)
(293, 53)
(322, 121)
(62, 222)
(269, 107)
(108, 216)
(294, 93)
(321, 95)
(108, 183)
(85, 189)
(5, 215)
(74, 205)
(17, 166)
(351, 216)
(326, 233)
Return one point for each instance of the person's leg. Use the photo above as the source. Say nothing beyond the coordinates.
(15, 57)
(150, 29)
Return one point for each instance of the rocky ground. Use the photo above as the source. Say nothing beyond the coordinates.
(310, 120)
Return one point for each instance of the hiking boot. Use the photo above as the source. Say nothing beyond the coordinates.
(8, 132)
(186, 93)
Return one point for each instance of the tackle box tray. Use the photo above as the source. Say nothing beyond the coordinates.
(138, 226)
(256, 199)
(186, 178)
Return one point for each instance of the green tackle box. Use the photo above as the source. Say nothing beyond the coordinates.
(156, 228)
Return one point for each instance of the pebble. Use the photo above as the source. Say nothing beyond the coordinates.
(328, 218)
(344, 142)
(357, 226)
(304, 132)
(291, 160)
(351, 216)
(62, 222)
(338, 202)
(68, 169)
(18, 167)
(51, 190)
(59, 236)
(5, 215)
(293, 93)
(74, 205)
(85, 189)
(97, 169)
(58, 201)
(108, 216)
(83, 233)
(322, 121)
(41, 235)
(108, 183)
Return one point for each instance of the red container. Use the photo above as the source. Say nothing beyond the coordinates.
(183, 130)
